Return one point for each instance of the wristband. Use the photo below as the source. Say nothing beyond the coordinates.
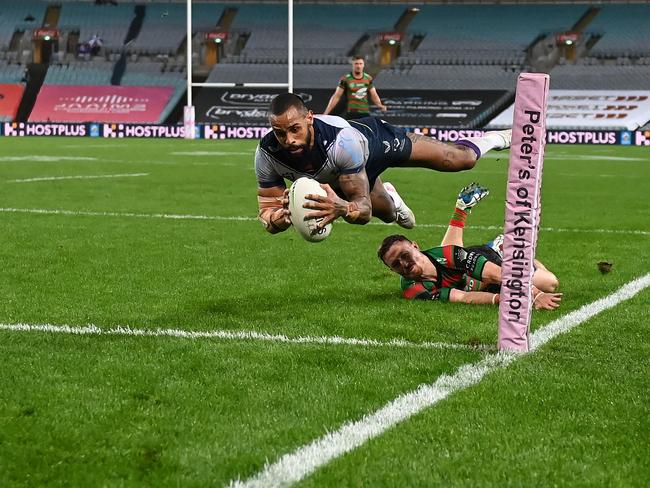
(537, 296)
(494, 299)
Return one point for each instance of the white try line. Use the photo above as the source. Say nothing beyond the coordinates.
(235, 335)
(82, 213)
(79, 177)
(302, 462)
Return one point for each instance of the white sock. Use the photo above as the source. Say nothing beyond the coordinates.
(392, 192)
(483, 144)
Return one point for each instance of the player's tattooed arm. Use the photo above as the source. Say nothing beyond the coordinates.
(357, 189)
(356, 210)
(273, 208)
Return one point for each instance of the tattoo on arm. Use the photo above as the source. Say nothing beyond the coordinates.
(356, 189)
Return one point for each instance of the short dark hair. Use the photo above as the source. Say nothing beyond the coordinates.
(357, 56)
(388, 243)
(284, 102)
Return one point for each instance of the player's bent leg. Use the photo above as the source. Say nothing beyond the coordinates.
(404, 216)
(430, 153)
(383, 206)
(388, 205)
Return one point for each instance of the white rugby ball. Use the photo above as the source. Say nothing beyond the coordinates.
(306, 228)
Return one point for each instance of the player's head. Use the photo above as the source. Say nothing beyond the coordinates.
(292, 122)
(403, 256)
(358, 64)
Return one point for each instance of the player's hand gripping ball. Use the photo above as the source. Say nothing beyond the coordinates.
(306, 228)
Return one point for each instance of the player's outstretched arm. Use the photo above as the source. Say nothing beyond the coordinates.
(356, 210)
(273, 208)
(541, 300)
(473, 297)
(546, 301)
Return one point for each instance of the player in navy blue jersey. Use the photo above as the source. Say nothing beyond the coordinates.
(347, 158)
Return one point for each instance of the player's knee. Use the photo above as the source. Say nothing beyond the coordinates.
(550, 283)
(466, 158)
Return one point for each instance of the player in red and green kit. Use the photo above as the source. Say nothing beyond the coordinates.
(358, 88)
(453, 273)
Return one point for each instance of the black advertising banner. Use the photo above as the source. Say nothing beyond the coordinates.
(248, 106)
(437, 108)
(412, 108)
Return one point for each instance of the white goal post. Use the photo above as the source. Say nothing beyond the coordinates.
(189, 112)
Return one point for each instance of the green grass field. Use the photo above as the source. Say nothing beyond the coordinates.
(124, 410)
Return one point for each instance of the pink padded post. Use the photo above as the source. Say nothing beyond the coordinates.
(523, 206)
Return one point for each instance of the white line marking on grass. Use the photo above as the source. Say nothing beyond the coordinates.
(94, 146)
(46, 159)
(236, 335)
(82, 213)
(585, 157)
(213, 153)
(302, 462)
(79, 177)
(583, 176)
(122, 214)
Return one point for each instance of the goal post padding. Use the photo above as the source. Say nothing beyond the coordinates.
(522, 212)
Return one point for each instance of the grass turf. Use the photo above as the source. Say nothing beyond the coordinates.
(122, 411)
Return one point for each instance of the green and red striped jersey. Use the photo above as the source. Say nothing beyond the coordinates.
(451, 274)
(356, 92)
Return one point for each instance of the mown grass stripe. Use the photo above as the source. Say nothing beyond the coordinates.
(300, 463)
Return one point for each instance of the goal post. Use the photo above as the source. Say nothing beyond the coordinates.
(189, 114)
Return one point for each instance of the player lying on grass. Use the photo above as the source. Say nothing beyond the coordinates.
(453, 273)
(347, 158)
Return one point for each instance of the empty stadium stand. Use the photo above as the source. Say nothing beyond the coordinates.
(441, 46)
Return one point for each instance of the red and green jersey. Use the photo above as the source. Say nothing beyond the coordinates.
(456, 268)
(356, 92)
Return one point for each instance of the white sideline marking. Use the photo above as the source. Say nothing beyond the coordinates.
(46, 159)
(80, 177)
(584, 157)
(81, 213)
(94, 146)
(213, 153)
(295, 466)
(121, 214)
(236, 335)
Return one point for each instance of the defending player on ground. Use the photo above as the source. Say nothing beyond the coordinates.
(453, 273)
(347, 158)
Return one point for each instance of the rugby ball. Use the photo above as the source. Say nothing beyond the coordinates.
(306, 228)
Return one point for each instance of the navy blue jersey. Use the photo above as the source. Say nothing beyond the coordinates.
(340, 147)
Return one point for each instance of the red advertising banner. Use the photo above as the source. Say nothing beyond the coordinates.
(78, 103)
(10, 97)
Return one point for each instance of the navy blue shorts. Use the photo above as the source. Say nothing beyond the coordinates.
(389, 146)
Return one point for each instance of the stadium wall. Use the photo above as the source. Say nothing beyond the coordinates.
(223, 132)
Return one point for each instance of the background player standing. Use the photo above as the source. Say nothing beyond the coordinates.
(357, 87)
